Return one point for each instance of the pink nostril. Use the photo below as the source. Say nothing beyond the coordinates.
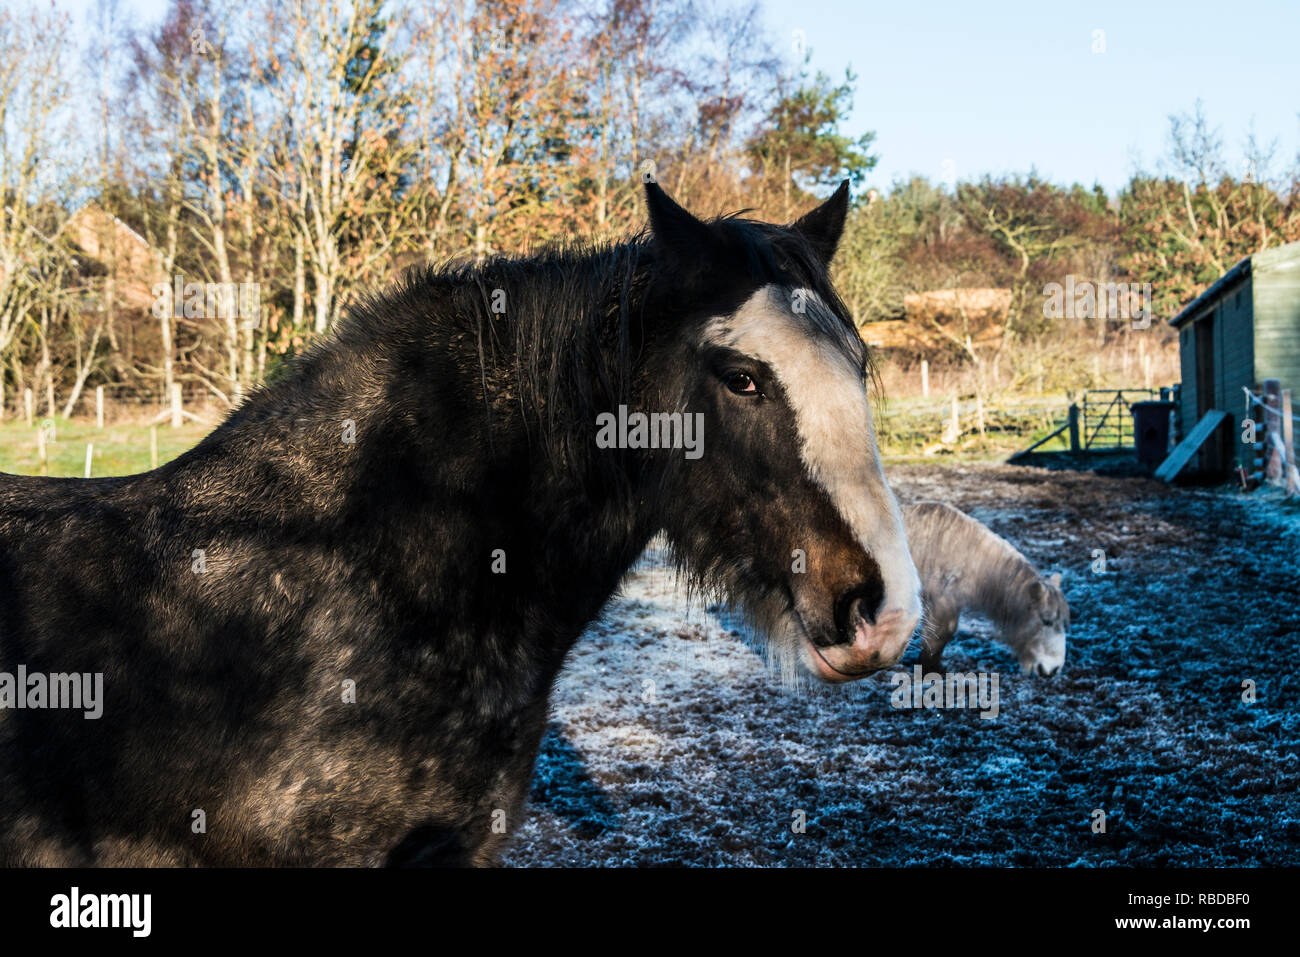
(863, 602)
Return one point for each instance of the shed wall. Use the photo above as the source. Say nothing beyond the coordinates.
(1229, 315)
(1277, 315)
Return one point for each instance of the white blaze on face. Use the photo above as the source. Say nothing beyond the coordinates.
(809, 354)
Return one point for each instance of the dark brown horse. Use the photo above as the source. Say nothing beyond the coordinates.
(328, 633)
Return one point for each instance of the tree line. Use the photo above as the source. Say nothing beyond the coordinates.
(293, 154)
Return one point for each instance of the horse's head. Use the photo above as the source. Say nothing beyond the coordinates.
(1041, 643)
(784, 507)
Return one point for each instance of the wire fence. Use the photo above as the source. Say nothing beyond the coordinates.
(954, 420)
(110, 403)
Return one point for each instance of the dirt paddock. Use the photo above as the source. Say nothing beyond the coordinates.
(671, 744)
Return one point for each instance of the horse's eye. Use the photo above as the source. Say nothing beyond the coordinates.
(741, 384)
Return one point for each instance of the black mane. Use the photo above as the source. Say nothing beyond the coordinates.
(418, 508)
(564, 350)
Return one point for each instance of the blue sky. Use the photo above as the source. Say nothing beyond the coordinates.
(999, 87)
(964, 87)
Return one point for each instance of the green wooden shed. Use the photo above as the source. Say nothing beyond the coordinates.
(1242, 330)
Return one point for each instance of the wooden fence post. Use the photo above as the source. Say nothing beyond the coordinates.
(953, 430)
(176, 406)
(1288, 442)
(1271, 397)
(29, 406)
(1074, 427)
(90, 452)
(49, 395)
(925, 379)
(99, 406)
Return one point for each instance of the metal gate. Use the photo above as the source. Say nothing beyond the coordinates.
(1106, 422)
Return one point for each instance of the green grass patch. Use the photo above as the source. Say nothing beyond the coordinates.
(912, 429)
(119, 449)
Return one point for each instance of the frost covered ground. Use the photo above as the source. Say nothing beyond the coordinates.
(672, 745)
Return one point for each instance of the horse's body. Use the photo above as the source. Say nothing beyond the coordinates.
(321, 562)
(340, 652)
(964, 566)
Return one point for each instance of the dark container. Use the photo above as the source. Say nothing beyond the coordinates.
(1152, 426)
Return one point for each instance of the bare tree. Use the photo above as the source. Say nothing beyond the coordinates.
(335, 74)
(35, 169)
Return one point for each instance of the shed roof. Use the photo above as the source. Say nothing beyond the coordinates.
(1286, 254)
(1217, 288)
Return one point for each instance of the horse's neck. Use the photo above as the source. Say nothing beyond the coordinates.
(999, 586)
(577, 524)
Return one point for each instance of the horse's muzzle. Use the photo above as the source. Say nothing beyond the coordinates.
(868, 643)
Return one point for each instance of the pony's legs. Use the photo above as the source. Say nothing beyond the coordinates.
(940, 626)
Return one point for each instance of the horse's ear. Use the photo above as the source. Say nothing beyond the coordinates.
(681, 237)
(1055, 580)
(824, 225)
(1036, 591)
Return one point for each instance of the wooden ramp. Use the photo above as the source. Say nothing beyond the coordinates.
(1183, 453)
